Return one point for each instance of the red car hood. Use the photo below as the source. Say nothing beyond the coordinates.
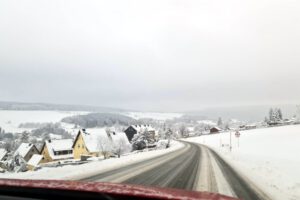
(111, 189)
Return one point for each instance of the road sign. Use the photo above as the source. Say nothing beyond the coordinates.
(237, 134)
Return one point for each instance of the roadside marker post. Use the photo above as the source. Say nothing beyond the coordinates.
(230, 147)
(237, 135)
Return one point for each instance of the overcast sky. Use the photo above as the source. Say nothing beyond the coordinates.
(150, 55)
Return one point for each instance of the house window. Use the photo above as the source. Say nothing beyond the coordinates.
(78, 146)
(83, 146)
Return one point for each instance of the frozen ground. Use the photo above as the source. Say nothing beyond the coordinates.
(10, 119)
(268, 157)
(76, 172)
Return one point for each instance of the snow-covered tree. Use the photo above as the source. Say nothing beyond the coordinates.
(139, 142)
(24, 137)
(279, 113)
(104, 146)
(298, 113)
(121, 145)
(266, 120)
(8, 146)
(14, 164)
(271, 115)
(169, 135)
(275, 115)
(183, 132)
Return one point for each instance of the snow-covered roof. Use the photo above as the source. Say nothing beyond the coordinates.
(250, 125)
(215, 127)
(35, 160)
(190, 128)
(120, 137)
(141, 128)
(23, 149)
(97, 139)
(59, 145)
(3, 152)
(207, 122)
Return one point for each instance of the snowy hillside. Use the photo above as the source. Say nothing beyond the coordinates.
(157, 116)
(10, 120)
(269, 157)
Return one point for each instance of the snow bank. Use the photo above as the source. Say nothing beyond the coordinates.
(268, 157)
(75, 172)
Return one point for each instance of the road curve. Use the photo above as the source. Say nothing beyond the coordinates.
(195, 167)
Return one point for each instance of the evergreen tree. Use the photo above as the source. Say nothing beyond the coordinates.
(271, 114)
(220, 123)
(279, 114)
(266, 120)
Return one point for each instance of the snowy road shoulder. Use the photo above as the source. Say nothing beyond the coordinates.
(266, 157)
(77, 172)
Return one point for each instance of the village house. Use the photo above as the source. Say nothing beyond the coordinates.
(134, 129)
(55, 150)
(97, 142)
(3, 154)
(250, 126)
(26, 151)
(215, 130)
(34, 161)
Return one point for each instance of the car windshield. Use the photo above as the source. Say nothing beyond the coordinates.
(177, 97)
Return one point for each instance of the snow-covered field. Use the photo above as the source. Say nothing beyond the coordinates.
(157, 116)
(76, 172)
(268, 157)
(10, 119)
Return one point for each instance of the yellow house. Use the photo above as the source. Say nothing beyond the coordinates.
(98, 142)
(85, 144)
(55, 150)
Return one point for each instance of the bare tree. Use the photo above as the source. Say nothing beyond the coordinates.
(183, 132)
(104, 146)
(168, 135)
(119, 147)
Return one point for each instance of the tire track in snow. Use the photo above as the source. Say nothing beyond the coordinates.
(195, 167)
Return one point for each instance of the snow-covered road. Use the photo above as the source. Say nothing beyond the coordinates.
(267, 156)
(195, 167)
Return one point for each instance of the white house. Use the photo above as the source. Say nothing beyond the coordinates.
(34, 161)
(26, 150)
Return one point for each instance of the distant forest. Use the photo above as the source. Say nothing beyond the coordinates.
(99, 120)
(58, 107)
